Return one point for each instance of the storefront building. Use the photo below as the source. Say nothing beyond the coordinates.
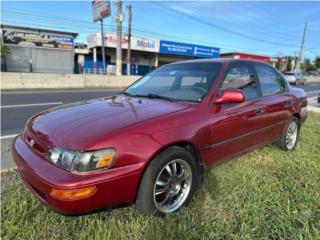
(38, 50)
(147, 54)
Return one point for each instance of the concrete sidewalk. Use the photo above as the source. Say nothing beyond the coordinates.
(313, 104)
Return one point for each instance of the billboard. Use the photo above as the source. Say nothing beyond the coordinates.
(36, 39)
(187, 49)
(100, 9)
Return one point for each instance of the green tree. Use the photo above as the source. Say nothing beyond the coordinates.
(4, 52)
(316, 62)
(289, 64)
(307, 65)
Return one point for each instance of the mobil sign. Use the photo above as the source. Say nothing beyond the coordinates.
(137, 43)
(145, 44)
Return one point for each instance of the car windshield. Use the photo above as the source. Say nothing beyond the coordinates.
(289, 74)
(178, 82)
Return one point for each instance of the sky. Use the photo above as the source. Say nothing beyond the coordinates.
(265, 28)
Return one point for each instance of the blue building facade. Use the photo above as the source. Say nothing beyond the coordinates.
(147, 54)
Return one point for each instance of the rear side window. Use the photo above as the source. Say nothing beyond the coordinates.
(197, 80)
(270, 82)
(242, 78)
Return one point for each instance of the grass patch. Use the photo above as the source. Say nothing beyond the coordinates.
(266, 194)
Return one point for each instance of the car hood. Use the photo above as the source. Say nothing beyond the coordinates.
(76, 126)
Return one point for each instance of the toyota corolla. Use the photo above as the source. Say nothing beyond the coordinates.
(152, 143)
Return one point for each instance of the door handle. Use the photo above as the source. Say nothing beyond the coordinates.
(260, 111)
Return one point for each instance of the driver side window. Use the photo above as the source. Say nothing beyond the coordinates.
(241, 78)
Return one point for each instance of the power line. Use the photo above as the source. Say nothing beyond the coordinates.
(222, 28)
(152, 34)
(85, 26)
(279, 19)
(266, 32)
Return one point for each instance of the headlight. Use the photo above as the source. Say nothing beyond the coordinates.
(82, 161)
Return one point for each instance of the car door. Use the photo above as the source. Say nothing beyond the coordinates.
(276, 101)
(234, 126)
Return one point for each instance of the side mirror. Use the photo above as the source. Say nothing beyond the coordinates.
(230, 96)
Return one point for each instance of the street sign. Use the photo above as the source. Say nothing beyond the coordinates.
(100, 9)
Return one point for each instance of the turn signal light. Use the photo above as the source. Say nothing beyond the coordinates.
(73, 194)
(105, 160)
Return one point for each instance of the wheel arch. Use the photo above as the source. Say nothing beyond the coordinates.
(297, 115)
(189, 147)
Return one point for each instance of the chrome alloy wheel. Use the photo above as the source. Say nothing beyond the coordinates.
(292, 134)
(172, 186)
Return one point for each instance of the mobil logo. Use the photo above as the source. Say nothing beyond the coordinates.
(146, 43)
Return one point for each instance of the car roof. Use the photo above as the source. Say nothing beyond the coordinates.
(218, 60)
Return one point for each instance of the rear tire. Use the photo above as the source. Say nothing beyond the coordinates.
(289, 138)
(168, 183)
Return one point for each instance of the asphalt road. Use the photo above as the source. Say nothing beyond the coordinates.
(18, 106)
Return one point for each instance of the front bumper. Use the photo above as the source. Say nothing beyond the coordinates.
(114, 186)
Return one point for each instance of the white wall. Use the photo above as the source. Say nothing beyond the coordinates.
(312, 79)
(44, 80)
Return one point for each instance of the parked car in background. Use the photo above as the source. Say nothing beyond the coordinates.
(312, 74)
(295, 78)
(152, 143)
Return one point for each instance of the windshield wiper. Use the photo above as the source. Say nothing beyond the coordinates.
(152, 95)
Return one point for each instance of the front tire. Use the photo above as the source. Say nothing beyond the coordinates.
(289, 139)
(168, 182)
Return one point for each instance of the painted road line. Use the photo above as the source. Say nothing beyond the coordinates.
(8, 136)
(32, 105)
(311, 92)
(63, 91)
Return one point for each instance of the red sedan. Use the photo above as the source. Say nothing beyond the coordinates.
(152, 143)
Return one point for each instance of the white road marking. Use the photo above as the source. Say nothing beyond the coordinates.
(8, 136)
(31, 105)
(311, 92)
(63, 91)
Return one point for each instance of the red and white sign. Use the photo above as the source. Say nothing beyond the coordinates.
(246, 56)
(137, 43)
(100, 9)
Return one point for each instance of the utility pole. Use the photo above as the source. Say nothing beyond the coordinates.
(119, 19)
(302, 46)
(295, 61)
(102, 47)
(129, 7)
